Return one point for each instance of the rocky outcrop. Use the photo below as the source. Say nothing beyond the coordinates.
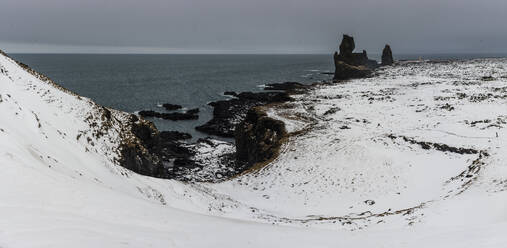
(289, 87)
(169, 106)
(345, 71)
(140, 152)
(258, 137)
(229, 113)
(349, 64)
(176, 116)
(387, 56)
(174, 135)
(158, 154)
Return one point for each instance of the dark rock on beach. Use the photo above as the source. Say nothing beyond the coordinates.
(228, 113)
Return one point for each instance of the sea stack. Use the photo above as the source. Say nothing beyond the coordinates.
(387, 56)
(349, 64)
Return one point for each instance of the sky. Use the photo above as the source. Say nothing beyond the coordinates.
(252, 26)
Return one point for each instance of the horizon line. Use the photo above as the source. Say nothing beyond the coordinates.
(249, 53)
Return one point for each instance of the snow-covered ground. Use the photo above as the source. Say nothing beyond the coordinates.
(414, 157)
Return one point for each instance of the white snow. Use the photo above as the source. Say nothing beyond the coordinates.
(341, 180)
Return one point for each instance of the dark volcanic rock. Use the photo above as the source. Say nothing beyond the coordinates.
(291, 87)
(345, 71)
(170, 116)
(174, 135)
(156, 154)
(347, 55)
(169, 106)
(349, 64)
(348, 45)
(192, 111)
(230, 93)
(140, 153)
(228, 113)
(267, 97)
(258, 137)
(387, 56)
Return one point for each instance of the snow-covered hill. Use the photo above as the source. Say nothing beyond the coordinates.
(414, 157)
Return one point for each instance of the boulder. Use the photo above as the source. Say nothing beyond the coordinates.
(387, 56)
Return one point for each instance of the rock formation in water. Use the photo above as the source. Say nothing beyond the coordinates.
(387, 56)
(176, 116)
(356, 65)
(169, 106)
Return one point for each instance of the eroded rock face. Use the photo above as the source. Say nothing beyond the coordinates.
(387, 56)
(152, 153)
(345, 71)
(140, 152)
(258, 137)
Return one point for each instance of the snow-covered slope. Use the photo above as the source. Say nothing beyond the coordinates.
(380, 162)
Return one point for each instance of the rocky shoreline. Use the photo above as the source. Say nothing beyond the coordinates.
(257, 137)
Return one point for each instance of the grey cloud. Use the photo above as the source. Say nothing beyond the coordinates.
(255, 26)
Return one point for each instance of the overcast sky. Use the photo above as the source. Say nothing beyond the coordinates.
(252, 26)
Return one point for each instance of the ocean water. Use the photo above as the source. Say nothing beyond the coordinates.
(143, 82)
